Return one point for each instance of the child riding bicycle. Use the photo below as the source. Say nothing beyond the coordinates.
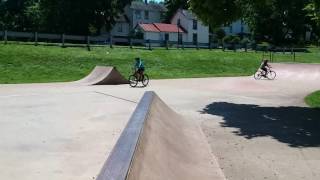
(264, 67)
(139, 67)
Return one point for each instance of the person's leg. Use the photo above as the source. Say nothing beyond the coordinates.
(264, 71)
(139, 74)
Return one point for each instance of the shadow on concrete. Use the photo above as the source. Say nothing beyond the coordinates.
(295, 126)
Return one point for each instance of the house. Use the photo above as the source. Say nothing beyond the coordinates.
(136, 13)
(159, 33)
(122, 26)
(237, 28)
(139, 12)
(197, 32)
(184, 27)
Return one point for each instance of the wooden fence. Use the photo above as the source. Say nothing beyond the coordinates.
(65, 40)
(68, 40)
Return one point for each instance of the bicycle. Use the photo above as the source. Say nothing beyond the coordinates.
(271, 75)
(136, 77)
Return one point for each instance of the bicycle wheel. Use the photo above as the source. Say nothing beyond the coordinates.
(133, 81)
(271, 75)
(145, 80)
(257, 75)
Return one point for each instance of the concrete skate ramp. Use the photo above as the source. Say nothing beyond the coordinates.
(103, 75)
(297, 71)
(159, 144)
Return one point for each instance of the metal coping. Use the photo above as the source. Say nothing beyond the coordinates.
(118, 163)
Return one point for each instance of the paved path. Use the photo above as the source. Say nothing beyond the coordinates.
(256, 129)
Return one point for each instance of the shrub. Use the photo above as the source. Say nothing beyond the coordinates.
(235, 40)
(230, 39)
(245, 41)
(220, 34)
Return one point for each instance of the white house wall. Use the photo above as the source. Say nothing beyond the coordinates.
(125, 29)
(160, 36)
(152, 36)
(202, 30)
(154, 17)
(183, 20)
(235, 28)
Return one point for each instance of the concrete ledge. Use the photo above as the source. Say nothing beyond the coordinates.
(159, 144)
(118, 163)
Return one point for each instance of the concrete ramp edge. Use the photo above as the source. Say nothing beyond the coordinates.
(158, 144)
(103, 75)
(118, 163)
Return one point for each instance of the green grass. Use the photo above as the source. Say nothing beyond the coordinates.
(313, 100)
(29, 64)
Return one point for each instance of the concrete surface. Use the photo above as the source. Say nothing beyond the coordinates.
(171, 147)
(256, 129)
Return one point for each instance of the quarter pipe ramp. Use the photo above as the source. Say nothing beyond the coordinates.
(159, 144)
(103, 75)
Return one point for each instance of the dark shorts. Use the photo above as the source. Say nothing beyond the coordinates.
(141, 69)
(264, 69)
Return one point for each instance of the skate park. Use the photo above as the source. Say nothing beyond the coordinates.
(200, 128)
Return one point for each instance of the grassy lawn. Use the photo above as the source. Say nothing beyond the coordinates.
(28, 64)
(313, 100)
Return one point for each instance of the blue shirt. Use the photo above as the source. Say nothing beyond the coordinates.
(139, 64)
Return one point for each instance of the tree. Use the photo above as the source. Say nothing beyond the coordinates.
(78, 17)
(19, 15)
(173, 6)
(216, 12)
(277, 21)
(313, 11)
(32, 15)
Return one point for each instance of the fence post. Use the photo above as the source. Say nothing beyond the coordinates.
(197, 45)
(210, 48)
(5, 36)
(130, 41)
(62, 40)
(88, 43)
(182, 44)
(294, 56)
(149, 44)
(273, 56)
(270, 56)
(36, 38)
(167, 45)
(111, 46)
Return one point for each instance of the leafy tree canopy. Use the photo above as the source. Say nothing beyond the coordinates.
(277, 21)
(173, 6)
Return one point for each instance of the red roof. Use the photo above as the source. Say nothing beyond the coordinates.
(149, 27)
(161, 27)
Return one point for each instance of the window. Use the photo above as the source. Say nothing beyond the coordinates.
(120, 29)
(195, 24)
(166, 37)
(195, 39)
(146, 15)
(138, 14)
